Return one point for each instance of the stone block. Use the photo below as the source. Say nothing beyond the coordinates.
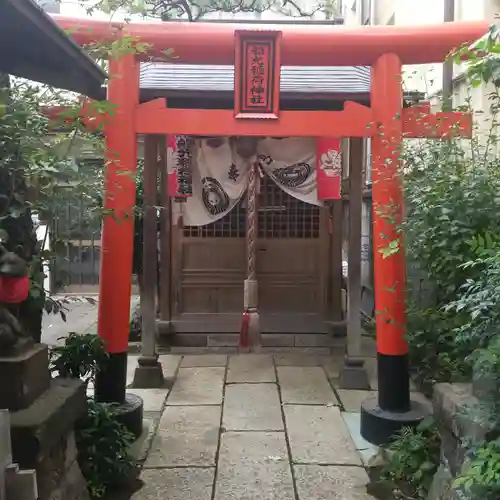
(5, 447)
(198, 386)
(20, 484)
(153, 399)
(331, 483)
(318, 435)
(28, 377)
(450, 403)
(188, 340)
(299, 359)
(223, 340)
(305, 385)
(452, 451)
(277, 340)
(254, 465)
(353, 375)
(313, 340)
(176, 484)
(187, 436)
(252, 407)
(251, 368)
(36, 430)
(204, 360)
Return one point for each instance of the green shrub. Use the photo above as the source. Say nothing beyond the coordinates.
(103, 444)
(413, 461)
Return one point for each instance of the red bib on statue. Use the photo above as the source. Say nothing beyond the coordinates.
(14, 290)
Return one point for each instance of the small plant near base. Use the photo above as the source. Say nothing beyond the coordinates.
(102, 442)
(413, 460)
(79, 357)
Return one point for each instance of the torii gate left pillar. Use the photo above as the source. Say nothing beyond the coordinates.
(115, 283)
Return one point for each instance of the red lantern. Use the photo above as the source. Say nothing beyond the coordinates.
(328, 168)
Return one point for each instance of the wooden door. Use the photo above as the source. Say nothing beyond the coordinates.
(209, 264)
(289, 261)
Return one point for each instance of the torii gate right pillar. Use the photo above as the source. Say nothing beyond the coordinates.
(383, 416)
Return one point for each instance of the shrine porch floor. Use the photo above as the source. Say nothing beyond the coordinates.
(252, 427)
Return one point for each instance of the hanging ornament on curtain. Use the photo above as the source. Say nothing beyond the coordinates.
(179, 157)
(328, 168)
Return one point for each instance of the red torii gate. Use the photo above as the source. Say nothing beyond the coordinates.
(384, 48)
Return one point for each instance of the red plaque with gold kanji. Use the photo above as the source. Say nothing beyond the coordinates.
(257, 74)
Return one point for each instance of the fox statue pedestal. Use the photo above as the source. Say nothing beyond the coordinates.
(26, 376)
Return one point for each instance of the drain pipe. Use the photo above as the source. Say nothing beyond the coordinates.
(448, 17)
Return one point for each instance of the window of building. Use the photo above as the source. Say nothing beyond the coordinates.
(366, 7)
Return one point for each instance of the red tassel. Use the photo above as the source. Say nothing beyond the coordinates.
(245, 324)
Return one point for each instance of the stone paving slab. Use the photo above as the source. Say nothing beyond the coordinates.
(305, 385)
(187, 436)
(365, 449)
(318, 435)
(253, 407)
(198, 386)
(331, 483)
(254, 466)
(153, 399)
(332, 367)
(251, 368)
(197, 360)
(176, 484)
(294, 359)
(351, 400)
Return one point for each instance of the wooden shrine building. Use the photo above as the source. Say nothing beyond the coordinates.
(298, 257)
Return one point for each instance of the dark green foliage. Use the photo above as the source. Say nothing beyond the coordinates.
(103, 444)
(413, 461)
(79, 357)
(450, 195)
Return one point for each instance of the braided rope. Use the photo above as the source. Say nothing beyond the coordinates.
(251, 221)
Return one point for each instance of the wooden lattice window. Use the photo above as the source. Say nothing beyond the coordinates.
(284, 216)
(279, 216)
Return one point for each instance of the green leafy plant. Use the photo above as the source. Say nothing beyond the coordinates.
(103, 444)
(79, 357)
(481, 479)
(413, 461)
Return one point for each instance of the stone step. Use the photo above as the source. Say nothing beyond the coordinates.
(20, 484)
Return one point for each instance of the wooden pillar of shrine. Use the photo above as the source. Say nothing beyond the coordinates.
(353, 374)
(149, 372)
(165, 278)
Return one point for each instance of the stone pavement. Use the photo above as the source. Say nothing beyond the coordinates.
(81, 317)
(252, 427)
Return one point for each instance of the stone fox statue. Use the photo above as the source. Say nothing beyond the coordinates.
(14, 289)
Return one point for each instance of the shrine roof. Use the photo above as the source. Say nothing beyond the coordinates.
(32, 46)
(305, 80)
